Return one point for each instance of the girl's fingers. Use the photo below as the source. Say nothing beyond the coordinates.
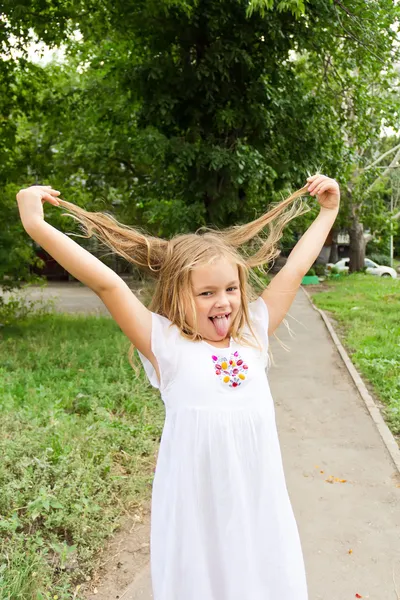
(313, 177)
(322, 188)
(313, 186)
(48, 187)
(49, 198)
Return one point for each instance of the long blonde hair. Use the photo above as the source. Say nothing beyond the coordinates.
(170, 262)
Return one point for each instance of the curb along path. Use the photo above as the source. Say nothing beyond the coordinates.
(386, 434)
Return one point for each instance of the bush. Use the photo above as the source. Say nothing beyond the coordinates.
(17, 308)
(319, 270)
(310, 272)
(335, 271)
(381, 259)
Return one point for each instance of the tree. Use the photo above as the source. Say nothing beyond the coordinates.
(359, 82)
(196, 112)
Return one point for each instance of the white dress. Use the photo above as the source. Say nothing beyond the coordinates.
(222, 525)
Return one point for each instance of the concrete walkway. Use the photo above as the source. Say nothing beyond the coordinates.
(343, 483)
(350, 530)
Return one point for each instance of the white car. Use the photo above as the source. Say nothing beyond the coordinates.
(372, 267)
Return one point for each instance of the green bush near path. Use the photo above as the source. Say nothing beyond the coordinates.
(368, 309)
(79, 435)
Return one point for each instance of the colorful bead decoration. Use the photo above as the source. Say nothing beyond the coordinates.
(232, 371)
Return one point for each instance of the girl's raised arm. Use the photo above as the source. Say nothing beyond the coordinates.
(280, 293)
(75, 259)
(131, 315)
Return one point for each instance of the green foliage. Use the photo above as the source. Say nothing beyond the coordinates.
(380, 259)
(296, 7)
(319, 270)
(79, 434)
(335, 271)
(176, 114)
(16, 307)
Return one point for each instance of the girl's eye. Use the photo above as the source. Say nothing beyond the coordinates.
(230, 288)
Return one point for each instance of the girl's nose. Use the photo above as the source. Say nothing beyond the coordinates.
(222, 302)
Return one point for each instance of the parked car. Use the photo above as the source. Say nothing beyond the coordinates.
(372, 267)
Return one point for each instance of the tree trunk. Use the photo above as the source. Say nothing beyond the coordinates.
(334, 256)
(357, 245)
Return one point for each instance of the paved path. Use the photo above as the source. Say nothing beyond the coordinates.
(69, 297)
(350, 531)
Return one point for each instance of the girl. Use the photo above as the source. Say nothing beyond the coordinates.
(222, 523)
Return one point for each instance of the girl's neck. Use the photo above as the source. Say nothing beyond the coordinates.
(222, 344)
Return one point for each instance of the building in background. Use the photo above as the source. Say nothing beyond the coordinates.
(342, 249)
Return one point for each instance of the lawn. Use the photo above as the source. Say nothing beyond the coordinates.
(367, 309)
(79, 435)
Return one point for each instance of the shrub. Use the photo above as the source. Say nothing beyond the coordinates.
(17, 308)
(334, 271)
(320, 270)
(380, 259)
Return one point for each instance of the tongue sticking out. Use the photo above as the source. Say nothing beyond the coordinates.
(221, 325)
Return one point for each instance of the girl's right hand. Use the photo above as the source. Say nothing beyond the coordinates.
(30, 202)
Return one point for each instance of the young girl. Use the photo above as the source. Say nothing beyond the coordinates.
(222, 526)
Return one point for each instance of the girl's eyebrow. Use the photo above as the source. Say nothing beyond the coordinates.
(214, 287)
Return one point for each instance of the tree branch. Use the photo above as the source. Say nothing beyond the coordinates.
(346, 10)
(380, 158)
(386, 171)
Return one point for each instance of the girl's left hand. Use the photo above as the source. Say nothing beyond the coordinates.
(326, 189)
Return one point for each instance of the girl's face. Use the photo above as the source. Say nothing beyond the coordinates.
(216, 291)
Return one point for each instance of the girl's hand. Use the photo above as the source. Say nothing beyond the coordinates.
(326, 189)
(30, 202)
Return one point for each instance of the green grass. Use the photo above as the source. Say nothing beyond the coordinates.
(368, 310)
(79, 435)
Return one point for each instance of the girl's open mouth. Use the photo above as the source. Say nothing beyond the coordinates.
(221, 324)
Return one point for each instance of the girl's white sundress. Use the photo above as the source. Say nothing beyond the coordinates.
(222, 524)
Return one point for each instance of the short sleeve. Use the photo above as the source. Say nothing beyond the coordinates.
(164, 338)
(260, 320)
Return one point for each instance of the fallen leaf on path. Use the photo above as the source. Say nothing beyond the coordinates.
(332, 479)
(350, 551)
(358, 596)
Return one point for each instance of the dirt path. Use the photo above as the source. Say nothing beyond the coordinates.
(124, 563)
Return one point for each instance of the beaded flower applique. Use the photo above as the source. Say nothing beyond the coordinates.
(232, 371)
